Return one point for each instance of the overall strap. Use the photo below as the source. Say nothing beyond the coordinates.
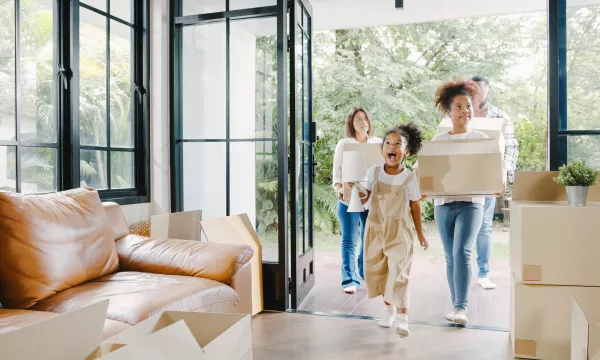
(408, 178)
(376, 176)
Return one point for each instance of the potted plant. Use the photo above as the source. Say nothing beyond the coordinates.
(577, 177)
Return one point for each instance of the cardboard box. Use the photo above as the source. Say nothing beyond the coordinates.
(585, 330)
(69, 336)
(183, 225)
(470, 167)
(237, 229)
(492, 127)
(174, 342)
(540, 318)
(220, 336)
(552, 243)
(373, 157)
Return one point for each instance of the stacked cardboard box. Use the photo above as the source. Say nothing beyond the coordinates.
(554, 257)
(585, 330)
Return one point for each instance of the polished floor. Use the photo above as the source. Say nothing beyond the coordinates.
(287, 336)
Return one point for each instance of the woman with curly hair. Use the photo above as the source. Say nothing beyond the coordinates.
(359, 129)
(394, 194)
(458, 218)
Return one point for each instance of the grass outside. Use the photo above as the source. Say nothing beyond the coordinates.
(332, 242)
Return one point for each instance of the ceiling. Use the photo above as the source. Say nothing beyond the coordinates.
(347, 14)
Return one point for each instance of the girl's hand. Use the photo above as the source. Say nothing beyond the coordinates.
(424, 243)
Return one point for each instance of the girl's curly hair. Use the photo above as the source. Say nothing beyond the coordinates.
(411, 133)
(451, 89)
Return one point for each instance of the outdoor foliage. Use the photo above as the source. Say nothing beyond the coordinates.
(576, 173)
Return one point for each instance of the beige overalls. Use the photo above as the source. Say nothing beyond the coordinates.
(389, 242)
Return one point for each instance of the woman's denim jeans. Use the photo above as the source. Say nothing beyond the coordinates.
(350, 222)
(458, 223)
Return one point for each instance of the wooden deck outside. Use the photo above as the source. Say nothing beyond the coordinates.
(430, 297)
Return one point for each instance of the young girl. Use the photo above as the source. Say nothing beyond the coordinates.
(393, 191)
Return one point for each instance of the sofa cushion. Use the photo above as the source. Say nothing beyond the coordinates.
(135, 296)
(52, 242)
(11, 320)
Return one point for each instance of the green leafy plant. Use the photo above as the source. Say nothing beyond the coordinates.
(576, 173)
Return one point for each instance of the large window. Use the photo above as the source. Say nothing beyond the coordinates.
(72, 105)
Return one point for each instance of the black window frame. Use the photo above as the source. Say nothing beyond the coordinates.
(66, 101)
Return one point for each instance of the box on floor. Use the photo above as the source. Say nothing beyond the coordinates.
(585, 331)
(552, 243)
(540, 318)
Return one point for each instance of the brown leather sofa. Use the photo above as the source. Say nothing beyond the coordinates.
(61, 251)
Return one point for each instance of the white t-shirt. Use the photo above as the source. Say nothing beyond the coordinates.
(412, 188)
(339, 155)
(471, 134)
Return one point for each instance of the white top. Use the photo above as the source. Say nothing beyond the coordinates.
(412, 188)
(339, 153)
(471, 134)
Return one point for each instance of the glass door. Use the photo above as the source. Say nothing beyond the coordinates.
(302, 138)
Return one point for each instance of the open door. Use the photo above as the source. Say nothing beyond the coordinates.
(302, 139)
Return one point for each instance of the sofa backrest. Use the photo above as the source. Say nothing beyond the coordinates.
(52, 242)
(117, 219)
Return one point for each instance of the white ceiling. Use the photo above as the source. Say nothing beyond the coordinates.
(346, 14)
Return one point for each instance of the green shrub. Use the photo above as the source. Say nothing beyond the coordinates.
(576, 173)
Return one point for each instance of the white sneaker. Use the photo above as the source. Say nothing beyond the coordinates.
(460, 317)
(402, 326)
(486, 283)
(388, 319)
(350, 289)
(450, 316)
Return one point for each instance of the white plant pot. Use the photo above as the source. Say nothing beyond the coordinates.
(577, 195)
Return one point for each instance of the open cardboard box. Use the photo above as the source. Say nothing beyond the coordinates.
(220, 336)
(585, 330)
(69, 336)
(551, 242)
(471, 167)
(373, 157)
(174, 342)
(540, 318)
(237, 229)
(492, 127)
(183, 225)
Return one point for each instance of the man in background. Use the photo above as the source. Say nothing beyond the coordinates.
(483, 108)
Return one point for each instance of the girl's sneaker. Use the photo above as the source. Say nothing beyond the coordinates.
(388, 319)
(402, 326)
(460, 317)
(450, 316)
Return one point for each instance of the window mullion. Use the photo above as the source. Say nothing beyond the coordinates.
(17, 54)
(108, 50)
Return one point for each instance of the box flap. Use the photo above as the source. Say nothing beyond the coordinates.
(492, 127)
(540, 186)
(174, 342)
(181, 225)
(459, 147)
(69, 336)
(140, 330)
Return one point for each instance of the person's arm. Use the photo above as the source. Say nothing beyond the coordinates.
(415, 211)
(511, 148)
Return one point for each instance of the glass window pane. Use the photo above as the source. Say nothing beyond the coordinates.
(122, 9)
(255, 41)
(305, 71)
(121, 125)
(38, 170)
(122, 170)
(583, 66)
(92, 81)
(93, 169)
(586, 148)
(193, 7)
(37, 120)
(8, 168)
(7, 72)
(299, 83)
(203, 82)
(204, 182)
(254, 180)
(247, 4)
(98, 4)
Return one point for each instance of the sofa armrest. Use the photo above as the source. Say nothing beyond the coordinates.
(219, 262)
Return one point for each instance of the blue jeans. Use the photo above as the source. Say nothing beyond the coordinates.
(484, 238)
(349, 222)
(459, 223)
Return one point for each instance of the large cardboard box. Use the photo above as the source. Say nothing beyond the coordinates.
(183, 225)
(220, 336)
(585, 330)
(460, 168)
(373, 157)
(492, 127)
(540, 318)
(174, 342)
(238, 229)
(69, 336)
(550, 242)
